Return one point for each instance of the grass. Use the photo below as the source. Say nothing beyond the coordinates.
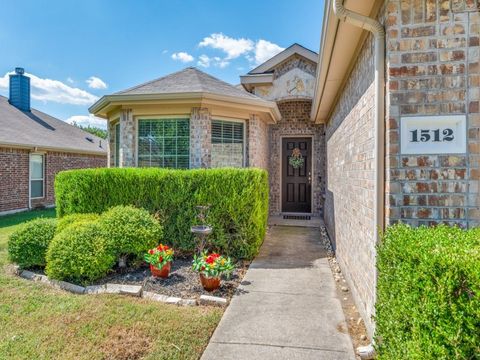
(38, 322)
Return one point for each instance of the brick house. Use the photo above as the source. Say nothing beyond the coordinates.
(399, 96)
(34, 147)
(386, 119)
(190, 119)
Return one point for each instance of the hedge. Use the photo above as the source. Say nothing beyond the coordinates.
(238, 199)
(28, 244)
(80, 254)
(68, 220)
(428, 293)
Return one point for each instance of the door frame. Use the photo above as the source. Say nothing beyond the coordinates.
(296, 136)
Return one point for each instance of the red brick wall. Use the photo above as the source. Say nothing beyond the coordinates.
(14, 175)
(13, 179)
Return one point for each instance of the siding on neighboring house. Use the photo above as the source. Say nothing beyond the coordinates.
(14, 175)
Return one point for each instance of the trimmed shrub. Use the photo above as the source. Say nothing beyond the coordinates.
(130, 231)
(428, 293)
(238, 198)
(68, 220)
(80, 254)
(28, 244)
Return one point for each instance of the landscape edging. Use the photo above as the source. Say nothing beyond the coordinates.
(120, 289)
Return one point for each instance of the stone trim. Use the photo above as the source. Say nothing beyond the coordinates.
(120, 289)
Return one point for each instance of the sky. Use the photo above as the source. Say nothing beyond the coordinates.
(77, 51)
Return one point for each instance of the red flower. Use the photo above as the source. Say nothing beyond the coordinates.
(151, 251)
(210, 260)
(215, 255)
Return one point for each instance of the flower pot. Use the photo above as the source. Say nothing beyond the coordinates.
(210, 283)
(163, 272)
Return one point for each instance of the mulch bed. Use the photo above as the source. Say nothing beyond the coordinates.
(183, 282)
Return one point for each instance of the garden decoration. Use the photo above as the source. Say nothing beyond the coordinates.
(296, 160)
(202, 230)
(211, 267)
(160, 260)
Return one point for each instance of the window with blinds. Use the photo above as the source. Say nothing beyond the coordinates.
(227, 143)
(164, 143)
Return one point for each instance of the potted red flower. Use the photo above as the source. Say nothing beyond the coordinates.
(211, 267)
(160, 260)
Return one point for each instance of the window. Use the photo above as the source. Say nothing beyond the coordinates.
(36, 176)
(227, 143)
(117, 144)
(164, 143)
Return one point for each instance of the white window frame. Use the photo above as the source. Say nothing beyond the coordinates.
(137, 120)
(30, 175)
(244, 122)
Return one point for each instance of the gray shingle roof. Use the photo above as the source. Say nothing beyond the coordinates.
(189, 80)
(37, 129)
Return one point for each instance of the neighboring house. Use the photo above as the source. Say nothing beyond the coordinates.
(423, 168)
(34, 147)
(190, 119)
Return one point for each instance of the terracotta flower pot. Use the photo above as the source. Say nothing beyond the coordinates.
(210, 283)
(163, 272)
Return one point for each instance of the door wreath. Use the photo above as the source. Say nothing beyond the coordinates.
(296, 160)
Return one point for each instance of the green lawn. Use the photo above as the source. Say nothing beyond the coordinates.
(38, 322)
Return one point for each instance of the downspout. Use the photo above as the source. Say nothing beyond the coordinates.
(378, 31)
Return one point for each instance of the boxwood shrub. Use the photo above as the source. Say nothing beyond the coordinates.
(68, 220)
(28, 244)
(130, 231)
(238, 199)
(80, 254)
(428, 293)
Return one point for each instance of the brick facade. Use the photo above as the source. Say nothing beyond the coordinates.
(128, 139)
(433, 68)
(349, 214)
(14, 175)
(257, 149)
(296, 122)
(200, 138)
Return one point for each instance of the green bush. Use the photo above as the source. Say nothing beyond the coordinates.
(80, 254)
(28, 244)
(238, 198)
(74, 219)
(428, 293)
(130, 231)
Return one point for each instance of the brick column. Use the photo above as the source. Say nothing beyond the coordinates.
(200, 138)
(127, 138)
(257, 142)
(111, 145)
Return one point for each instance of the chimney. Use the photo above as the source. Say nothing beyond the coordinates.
(20, 90)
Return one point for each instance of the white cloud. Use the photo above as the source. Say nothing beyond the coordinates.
(265, 50)
(87, 120)
(165, 51)
(96, 83)
(183, 57)
(70, 80)
(53, 90)
(205, 61)
(232, 47)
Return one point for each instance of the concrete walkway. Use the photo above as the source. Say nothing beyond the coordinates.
(286, 307)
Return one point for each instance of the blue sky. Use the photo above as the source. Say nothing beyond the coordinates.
(77, 51)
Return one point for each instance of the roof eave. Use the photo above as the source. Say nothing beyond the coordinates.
(101, 108)
(52, 148)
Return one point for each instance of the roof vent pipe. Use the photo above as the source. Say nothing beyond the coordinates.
(376, 28)
(19, 94)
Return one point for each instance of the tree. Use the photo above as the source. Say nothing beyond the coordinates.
(101, 133)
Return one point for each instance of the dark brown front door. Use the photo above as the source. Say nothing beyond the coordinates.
(296, 182)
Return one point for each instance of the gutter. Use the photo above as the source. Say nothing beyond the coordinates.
(378, 31)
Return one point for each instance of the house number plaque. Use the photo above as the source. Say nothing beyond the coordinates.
(433, 134)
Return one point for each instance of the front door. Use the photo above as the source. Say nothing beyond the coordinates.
(297, 178)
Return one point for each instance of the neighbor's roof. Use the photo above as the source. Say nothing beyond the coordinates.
(340, 44)
(37, 129)
(187, 84)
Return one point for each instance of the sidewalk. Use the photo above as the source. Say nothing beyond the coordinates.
(286, 307)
